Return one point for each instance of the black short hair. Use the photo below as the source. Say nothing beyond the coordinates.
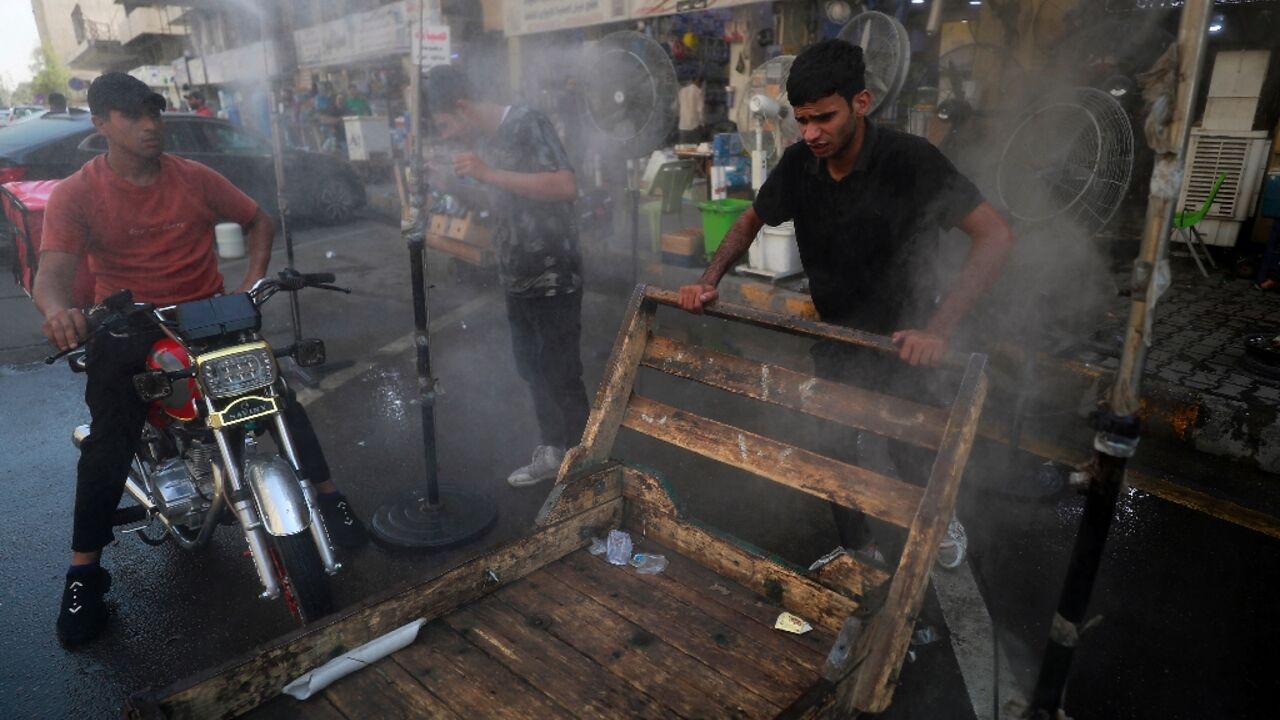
(56, 98)
(442, 88)
(122, 92)
(832, 67)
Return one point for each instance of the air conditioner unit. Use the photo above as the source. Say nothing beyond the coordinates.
(1241, 156)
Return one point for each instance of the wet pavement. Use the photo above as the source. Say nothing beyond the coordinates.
(1186, 599)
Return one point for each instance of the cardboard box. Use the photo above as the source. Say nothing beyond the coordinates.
(467, 230)
(439, 224)
(687, 242)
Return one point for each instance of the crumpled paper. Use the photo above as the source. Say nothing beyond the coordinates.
(343, 665)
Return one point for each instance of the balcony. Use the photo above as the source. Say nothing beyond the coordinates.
(99, 48)
(142, 26)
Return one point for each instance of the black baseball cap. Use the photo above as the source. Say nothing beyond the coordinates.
(123, 92)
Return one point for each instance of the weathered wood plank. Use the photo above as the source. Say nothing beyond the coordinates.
(877, 495)
(385, 690)
(471, 683)
(879, 657)
(793, 325)
(580, 492)
(630, 652)
(246, 682)
(854, 579)
(845, 573)
(779, 585)
(882, 414)
(761, 664)
(558, 670)
(736, 599)
(287, 708)
(615, 388)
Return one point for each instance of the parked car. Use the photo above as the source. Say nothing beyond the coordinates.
(320, 187)
(18, 113)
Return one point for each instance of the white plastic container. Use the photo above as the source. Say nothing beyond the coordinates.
(229, 238)
(779, 253)
(367, 136)
(755, 252)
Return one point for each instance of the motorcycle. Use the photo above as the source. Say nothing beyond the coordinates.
(214, 389)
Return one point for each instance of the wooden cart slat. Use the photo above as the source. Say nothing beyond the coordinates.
(688, 686)
(554, 667)
(728, 649)
(385, 690)
(471, 683)
(878, 495)
(886, 415)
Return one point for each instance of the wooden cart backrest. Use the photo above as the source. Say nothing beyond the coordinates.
(889, 600)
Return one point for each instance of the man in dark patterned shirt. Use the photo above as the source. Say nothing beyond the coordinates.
(516, 155)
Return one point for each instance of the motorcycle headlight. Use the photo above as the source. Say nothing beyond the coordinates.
(237, 370)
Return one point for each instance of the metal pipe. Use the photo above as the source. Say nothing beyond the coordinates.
(1117, 436)
(934, 24)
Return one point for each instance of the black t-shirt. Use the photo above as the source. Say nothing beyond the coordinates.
(868, 241)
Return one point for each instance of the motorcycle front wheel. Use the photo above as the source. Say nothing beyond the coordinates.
(304, 584)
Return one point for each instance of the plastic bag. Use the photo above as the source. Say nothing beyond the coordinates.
(648, 563)
(619, 547)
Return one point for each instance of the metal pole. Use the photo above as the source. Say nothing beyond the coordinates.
(438, 516)
(1117, 436)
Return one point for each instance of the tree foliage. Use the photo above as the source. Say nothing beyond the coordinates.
(49, 75)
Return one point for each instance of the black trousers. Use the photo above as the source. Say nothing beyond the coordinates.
(115, 430)
(545, 335)
(882, 373)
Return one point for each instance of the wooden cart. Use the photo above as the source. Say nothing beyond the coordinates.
(539, 628)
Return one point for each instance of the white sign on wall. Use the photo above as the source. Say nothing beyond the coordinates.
(356, 37)
(533, 16)
(433, 43)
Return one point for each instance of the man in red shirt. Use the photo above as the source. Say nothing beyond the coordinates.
(145, 220)
(195, 99)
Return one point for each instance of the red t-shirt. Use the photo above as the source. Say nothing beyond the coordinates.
(156, 240)
(205, 111)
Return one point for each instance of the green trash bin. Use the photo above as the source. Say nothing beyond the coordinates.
(717, 217)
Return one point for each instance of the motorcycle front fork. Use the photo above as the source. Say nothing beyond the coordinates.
(242, 504)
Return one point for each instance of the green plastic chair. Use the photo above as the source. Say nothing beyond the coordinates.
(1184, 227)
(671, 180)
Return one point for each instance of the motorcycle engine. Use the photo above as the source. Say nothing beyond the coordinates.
(182, 485)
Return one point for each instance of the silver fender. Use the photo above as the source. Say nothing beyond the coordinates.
(279, 497)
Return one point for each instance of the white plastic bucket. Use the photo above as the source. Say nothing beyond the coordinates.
(779, 252)
(755, 253)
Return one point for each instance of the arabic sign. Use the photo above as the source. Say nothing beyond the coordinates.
(433, 43)
(532, 16)
(354, 38)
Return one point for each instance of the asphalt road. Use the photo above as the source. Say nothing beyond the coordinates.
(1186, 600)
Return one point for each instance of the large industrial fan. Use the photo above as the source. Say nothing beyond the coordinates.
(631, 95)
(1068, 162)
(886, 50)
(631, 90)
(765, 120)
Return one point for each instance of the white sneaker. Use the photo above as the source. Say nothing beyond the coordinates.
(952, 548)
(545, 465)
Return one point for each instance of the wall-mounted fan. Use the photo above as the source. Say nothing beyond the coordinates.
(765, 121)
(886, 50)
(630, 91)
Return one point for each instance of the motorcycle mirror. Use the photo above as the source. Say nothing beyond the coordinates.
(309, 352)
(152, 385)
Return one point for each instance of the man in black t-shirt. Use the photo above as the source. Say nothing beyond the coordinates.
(531, 189)
(868, 203)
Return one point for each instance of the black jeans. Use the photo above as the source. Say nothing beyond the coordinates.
(882, 373)
(545, 333)
(115, 430)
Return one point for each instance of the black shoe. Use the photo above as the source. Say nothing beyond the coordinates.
(345, 529)
(83, 613)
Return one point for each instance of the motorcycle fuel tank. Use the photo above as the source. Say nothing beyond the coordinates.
(168, 355)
